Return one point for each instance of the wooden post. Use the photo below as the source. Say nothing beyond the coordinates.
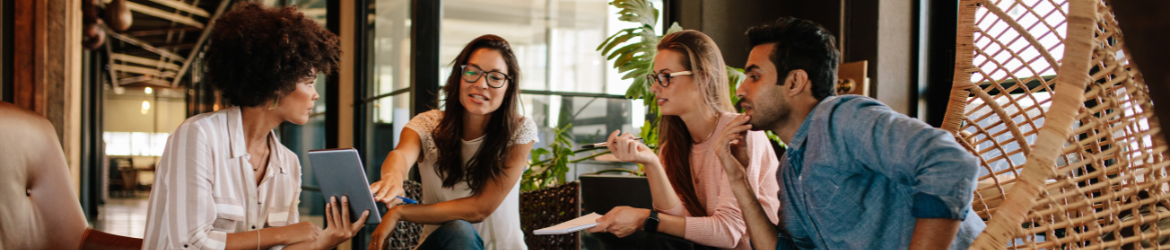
(46, 65)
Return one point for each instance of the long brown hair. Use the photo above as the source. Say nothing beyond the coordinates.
(489, 161)
(702, 57)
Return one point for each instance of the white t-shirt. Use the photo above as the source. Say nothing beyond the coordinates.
(501, 230)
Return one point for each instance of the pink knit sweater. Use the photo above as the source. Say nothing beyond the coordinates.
(723, 227)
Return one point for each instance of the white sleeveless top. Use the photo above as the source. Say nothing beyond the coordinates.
(501, 230)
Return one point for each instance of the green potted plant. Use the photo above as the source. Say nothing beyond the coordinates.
(632, 52)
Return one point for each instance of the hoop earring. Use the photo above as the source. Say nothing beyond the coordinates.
(274, 103)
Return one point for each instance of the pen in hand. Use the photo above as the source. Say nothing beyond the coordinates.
(407, 200)
(602, 144)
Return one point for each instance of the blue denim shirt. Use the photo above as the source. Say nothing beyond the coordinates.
(857, 175)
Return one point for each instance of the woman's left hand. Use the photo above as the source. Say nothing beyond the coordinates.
(384, 230)
(621, 221)
(339, 228)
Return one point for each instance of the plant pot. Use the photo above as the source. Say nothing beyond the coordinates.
(600, 193)
(547, 207)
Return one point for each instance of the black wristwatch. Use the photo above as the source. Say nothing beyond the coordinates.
(651, 224)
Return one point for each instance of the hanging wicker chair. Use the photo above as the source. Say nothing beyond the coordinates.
(1070, 153)
(1068, 161)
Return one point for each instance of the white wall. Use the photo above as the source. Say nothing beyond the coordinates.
(894, 40)
(123, 113)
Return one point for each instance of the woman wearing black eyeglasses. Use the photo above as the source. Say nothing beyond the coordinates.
(694, 207)
(470, 157)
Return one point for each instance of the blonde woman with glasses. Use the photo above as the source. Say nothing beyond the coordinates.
(694, 207)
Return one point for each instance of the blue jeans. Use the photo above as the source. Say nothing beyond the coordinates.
(455, 234)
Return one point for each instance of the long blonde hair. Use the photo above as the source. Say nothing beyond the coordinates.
(702, 57)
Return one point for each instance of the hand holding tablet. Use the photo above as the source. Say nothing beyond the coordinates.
(340, 173)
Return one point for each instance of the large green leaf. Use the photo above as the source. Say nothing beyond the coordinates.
(636, 11)
(637, 63)
(674, 28)
(648, 35)
(615, 35)
(636, 89)
(627, 50)
(637, 73)
(735, 76)
(537, 153)
(632, 51)
(648, 100)
(551, 171)
(620, 39)
(632, 57)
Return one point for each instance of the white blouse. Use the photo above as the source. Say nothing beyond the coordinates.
(501, 229)
(206, 189)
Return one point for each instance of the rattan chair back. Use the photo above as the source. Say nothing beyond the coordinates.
(1070, 152)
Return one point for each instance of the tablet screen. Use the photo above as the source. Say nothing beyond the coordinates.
(340, 173)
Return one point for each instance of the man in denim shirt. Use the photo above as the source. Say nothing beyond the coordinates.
(856, 174)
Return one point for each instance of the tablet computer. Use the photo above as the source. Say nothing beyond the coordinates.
(340, 173)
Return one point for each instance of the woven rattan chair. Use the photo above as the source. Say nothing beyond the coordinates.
(406, 234)
(1074, 161)
(547, 207)
(538, 209)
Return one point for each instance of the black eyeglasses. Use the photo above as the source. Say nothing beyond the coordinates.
(495, 79)
(664, 78)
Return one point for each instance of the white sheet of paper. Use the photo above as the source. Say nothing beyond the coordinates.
(578, 224)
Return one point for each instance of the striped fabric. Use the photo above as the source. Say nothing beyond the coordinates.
(205, 187)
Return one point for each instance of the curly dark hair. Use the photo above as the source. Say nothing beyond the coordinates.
(801, 44)
(257, 54)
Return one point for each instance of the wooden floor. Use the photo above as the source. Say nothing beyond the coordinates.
(124, 216)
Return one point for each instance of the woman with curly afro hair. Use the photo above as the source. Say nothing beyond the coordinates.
(224, 180)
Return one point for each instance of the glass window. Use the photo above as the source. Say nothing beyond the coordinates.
(135, 143)
(1006, 57)
(515, 21)
(1007, 154)
(302, 138)
(390, 115)
(1001, 49)
(388, 103)
(614, 83)
(565, 79)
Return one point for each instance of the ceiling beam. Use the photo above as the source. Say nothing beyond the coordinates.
(223, 4)
(160, 31)
(155, 82)
(144, 61)
(110, 61)
(135, 79)
(137, 7)
(171, 35)
(142, 70)
(178, 46)
(183, 7)
(136, 42)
